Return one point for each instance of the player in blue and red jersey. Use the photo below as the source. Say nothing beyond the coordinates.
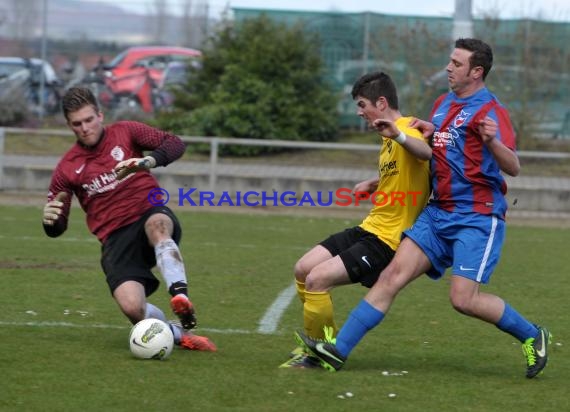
(463, 226)
(108, 173)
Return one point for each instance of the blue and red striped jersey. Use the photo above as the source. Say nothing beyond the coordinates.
(464, 174)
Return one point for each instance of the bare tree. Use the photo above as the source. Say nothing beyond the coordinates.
(413, 54)
(3, 17)
(158, 21)
(20, 16)
(186, 22)
(530, 76)
(194, 22)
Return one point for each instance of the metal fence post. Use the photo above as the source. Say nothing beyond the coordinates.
(214, 143)
(2, 135)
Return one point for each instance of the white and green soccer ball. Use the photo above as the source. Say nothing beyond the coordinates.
(151, 339)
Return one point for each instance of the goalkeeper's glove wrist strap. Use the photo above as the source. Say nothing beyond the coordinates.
(149, 162)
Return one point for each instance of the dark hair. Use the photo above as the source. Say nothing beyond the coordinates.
(374, 85)
(76, 98)
(482, 54)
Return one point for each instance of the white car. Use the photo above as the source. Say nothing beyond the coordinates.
(24, 76)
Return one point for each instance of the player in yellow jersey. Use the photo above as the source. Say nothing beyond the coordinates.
(400, 191)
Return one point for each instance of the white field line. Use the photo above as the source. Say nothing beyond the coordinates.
(45, 238)
(104, 326)
(268, 324)
(93, 239)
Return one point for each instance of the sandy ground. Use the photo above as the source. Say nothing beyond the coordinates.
(517, 218)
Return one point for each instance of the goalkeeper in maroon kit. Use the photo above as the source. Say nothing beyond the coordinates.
(109, 174)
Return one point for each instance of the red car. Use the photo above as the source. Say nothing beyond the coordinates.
(153, 58)
(135, 72)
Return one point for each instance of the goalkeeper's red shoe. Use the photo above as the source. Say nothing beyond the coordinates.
(194, 342)
(184, 309)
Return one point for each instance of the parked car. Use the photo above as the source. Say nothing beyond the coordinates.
(175, 78)
(153, 58)
(133, 75)
(23, 76)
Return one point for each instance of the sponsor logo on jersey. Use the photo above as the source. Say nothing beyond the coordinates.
(102, 183)
(388, 166)
(448, 138)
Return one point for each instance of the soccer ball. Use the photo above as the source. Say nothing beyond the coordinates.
(151, 339)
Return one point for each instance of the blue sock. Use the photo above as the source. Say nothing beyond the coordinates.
(514, 324)
(363, 318)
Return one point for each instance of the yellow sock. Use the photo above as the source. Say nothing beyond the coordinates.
(300, 290)
(317, 313)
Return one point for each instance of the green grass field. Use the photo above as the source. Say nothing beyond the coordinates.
(64, 342)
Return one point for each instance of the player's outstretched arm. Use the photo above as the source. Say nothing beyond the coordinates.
(425, 127)
(417, 147)
(126, 167)
(368, 186)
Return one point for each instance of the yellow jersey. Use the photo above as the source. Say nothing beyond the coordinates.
(403, 189)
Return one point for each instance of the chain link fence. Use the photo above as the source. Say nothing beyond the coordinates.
(531, 73)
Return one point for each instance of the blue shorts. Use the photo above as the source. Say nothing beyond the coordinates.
(469, 243)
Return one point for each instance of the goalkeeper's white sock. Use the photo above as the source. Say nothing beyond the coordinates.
(152, 312)
(176, 331)
(171, 266)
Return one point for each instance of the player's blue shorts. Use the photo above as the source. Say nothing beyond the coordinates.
(469, 243)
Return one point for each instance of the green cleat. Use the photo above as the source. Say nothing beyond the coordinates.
(302, 361)
(535, 351)
(299, 350)
(323, 349)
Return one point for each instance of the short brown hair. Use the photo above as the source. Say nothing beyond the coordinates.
(76, 98)
(482, 54)
(373, 85)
